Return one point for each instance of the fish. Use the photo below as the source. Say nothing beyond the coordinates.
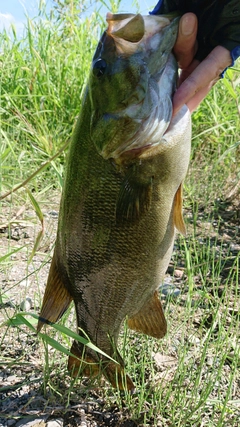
(122, 197)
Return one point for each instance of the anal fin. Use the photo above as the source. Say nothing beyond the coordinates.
(56, 298)
(150, 320)
(177, 211)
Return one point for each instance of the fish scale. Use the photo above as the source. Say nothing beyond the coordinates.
(122, 196)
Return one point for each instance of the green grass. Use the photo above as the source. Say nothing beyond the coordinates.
(197, 382)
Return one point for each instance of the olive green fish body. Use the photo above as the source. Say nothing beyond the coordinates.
(122, 196)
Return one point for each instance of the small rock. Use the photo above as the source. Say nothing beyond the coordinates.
(168, 280)
(234, 248)
(24, 283)
(169, 290)
(210, 361)
(83, 418)
(26, 304)
(58, 422)
(12, 379)
(178, 273)
(193, 340)
(164, 360)
(53, 213)
(31, 421)
(10, 422)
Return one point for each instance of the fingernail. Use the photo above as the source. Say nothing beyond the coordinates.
(188, 24)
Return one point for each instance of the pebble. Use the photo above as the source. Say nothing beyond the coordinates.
(178, 273)
(53, 213)
(234, 248)
(24, 283)
(193, 340)
(168, 280)
(210, 361)
(83, 418)
(169, 290)
(26, 304)
(58, 422)
(164, 360)
(11, 379)
(31, 421)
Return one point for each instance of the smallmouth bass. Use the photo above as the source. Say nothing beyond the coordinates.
(122, 197)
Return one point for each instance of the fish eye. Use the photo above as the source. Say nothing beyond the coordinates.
(99, 67)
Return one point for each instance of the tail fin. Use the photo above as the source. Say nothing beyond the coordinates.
(84, 362)
(56, 299)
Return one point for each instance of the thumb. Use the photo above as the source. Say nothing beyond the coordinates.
(186, 45)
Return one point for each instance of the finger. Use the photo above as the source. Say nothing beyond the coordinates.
(203, 76)
(194, 102)
(187, 71)
(186, 45)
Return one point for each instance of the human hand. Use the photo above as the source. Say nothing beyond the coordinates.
(196, 78)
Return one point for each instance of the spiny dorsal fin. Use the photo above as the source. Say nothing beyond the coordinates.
(177, 211)
(56, 298)
(150, 320)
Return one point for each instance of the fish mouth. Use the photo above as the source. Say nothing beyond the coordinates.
(135, 28)
(132, 32)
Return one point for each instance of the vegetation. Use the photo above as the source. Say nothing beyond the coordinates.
(190, 378)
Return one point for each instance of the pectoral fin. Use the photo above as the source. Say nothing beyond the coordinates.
(150, 320)
(86, 364)
(56, 299)
(134, 199)
(177, 211)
